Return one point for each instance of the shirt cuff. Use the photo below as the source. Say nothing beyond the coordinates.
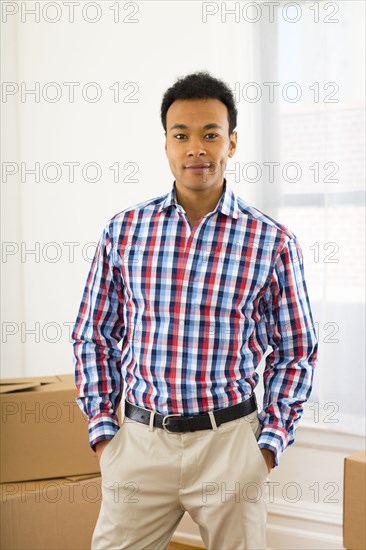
(102, 426)
(274, 438)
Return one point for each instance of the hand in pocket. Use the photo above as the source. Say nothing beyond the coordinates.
(99, 447)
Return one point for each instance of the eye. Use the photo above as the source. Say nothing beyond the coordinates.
(214, 135)
(178, 136)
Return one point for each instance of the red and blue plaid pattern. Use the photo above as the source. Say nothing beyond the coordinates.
(194, 312)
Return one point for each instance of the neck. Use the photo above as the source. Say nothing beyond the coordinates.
(198, 203)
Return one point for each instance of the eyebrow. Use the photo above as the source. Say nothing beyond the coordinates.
(208, 126)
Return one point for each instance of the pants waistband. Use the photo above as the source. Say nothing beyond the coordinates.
(175, 423)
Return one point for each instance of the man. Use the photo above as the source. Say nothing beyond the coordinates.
(196, 285)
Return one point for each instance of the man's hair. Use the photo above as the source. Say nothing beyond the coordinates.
(200, 85)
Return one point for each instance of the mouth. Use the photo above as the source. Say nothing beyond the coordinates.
(202, 167)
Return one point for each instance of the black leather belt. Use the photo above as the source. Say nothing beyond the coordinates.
(184, 423)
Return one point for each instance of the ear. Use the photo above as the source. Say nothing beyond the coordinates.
(233, 143)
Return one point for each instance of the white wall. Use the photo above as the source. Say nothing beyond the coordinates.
(41, 297)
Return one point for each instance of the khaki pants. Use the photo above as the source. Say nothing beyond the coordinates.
(151, 477)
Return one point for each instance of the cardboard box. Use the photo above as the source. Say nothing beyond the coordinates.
(49, 514)
(44, 434)
(354, 499)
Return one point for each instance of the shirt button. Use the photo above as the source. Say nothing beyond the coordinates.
(181, 323)
(185, 283)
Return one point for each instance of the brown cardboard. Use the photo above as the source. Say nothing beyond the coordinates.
(8, 388)
(49, 514)
(354, 507)
(44, 434)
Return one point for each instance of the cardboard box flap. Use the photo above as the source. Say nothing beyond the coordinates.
(67, 380)
(45, 431)
(10, 388)
(357, 457)
(82, 477)
(38, 383)
(13, 489)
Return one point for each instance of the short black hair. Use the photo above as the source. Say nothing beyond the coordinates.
(200, 85)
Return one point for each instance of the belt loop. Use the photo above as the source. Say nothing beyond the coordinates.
(151, 423)
(213, 420)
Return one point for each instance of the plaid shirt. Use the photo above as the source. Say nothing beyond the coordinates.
(195, 311)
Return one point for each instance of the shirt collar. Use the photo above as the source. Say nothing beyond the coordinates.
(227, 204)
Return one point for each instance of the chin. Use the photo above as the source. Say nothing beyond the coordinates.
(199, 178)
(198, 183)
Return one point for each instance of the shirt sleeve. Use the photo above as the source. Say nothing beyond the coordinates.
(288, 374)
(98, 329)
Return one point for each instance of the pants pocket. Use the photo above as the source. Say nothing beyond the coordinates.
(107, 449)
(255, 429)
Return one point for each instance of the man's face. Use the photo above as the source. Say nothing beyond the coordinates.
(198, 142)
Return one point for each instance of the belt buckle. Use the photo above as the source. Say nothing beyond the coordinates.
(164, 422)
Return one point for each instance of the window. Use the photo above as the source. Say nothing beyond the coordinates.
(312, 151)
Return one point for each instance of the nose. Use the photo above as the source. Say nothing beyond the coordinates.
(196, 148)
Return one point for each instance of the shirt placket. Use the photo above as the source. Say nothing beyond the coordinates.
(184, 282)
